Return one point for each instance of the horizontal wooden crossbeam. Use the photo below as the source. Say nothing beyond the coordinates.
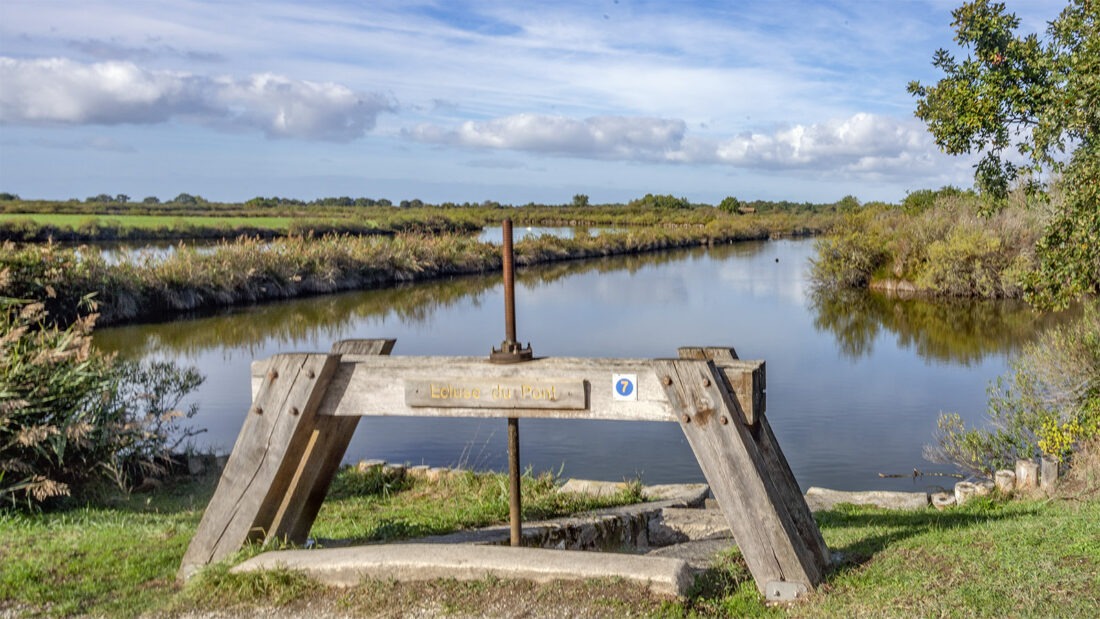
(379, 386)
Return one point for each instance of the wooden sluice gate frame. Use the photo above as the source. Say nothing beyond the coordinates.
(306, 407)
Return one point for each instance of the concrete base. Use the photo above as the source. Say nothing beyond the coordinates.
(349, 566)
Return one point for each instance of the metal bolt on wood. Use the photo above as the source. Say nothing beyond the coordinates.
(272, 375)
(666, 380)
(257, 410)
(685, 418)
(706, 382)
(725, 420)
(294, 410)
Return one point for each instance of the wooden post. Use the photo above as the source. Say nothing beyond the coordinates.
(743, 479)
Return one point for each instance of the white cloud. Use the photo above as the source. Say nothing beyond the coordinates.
(62, 91)
(600, 137)
(863, 144)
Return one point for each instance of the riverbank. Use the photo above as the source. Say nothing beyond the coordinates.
(989, 558)
(249, 271)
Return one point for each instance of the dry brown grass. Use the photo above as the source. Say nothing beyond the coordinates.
(1082, 481)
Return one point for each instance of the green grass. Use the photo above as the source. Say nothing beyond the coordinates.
(987, 559)
(397, 509)
(122, 560)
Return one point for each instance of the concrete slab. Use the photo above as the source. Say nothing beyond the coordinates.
(343, 567)
(592, 487)
(690, 495)
(679, 524)
(820, 499)
(699, 555)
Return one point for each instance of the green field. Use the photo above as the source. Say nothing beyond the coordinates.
(147, 221)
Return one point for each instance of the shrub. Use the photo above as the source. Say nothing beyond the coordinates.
(847, 260)
(1048, 404)
(71, 416)
(944, 249)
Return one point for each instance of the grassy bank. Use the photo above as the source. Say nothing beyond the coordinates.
(249, 270)
(1022, 558)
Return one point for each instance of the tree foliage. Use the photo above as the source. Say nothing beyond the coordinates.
(731, 205)
(1040, 97)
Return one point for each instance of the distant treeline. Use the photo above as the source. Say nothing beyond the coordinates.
(187, 204)
(192, 217)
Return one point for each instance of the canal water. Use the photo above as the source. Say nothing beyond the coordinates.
(854, 383)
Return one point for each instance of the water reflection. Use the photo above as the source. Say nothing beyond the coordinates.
(854, 384)
(960, 331)
(494, 234)
(327, 317)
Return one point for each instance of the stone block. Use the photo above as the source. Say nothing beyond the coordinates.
(1005, 481)
(366, 465)
(943, 500)
(1027, 475)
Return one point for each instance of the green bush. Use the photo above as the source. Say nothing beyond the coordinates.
(72, 417)
(847, 260)
(947, 248)
(1048, 404)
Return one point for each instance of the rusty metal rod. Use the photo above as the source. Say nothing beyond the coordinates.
(509, 284)
(514, 504)
(515, 507)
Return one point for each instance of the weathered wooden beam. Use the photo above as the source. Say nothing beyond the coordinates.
(748, 386)
(320, 460)
(740, 476)
(273, 438)
(377, 386)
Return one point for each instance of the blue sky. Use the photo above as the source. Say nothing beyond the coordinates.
(514, 101)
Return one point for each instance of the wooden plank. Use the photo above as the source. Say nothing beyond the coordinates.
(273, 437)
(321, 459)
(738, 475)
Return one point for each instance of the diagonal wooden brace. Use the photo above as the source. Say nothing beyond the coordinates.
(272, 483)
(747, 381)
(754, 496)
(321, 459)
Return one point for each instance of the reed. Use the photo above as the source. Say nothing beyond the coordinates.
(252, 270)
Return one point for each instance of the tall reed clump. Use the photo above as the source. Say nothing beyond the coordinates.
(948, 249)
(71, 417)
(1048, 404)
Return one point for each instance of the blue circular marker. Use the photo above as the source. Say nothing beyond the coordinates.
(624, 387)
